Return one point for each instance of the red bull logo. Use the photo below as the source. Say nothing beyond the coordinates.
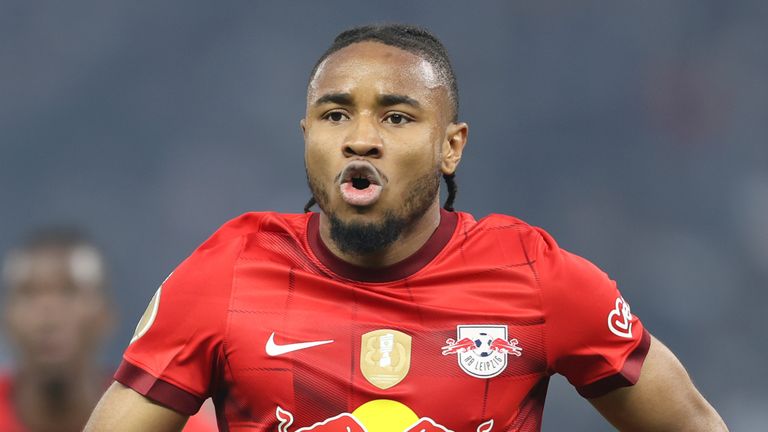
(462, 346)
(482, 349)
(381, 415)
(506, 347)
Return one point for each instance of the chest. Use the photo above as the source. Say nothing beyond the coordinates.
(453, 349)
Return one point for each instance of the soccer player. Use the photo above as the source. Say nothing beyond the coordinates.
(57, 314)
(384, 312)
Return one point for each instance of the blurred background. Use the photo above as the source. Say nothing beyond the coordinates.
(637, 134)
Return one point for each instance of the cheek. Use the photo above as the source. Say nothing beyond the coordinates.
(419, 155)
(17, 324)
(318, 157)
(22, 316)
(88, 311)
(84, 323)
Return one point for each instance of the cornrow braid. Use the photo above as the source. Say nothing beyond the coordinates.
(309, 204)
(452, 189)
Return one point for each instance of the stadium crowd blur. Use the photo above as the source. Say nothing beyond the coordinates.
(57, 314)
(636, 134)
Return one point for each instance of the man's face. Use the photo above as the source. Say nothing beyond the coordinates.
(56, 313)
(375, 131)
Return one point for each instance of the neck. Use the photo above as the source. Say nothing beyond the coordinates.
(410, 241)
(56, 401)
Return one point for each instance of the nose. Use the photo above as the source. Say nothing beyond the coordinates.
(363, 140)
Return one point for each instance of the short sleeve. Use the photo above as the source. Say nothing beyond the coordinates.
(174, 354)
(592, 337)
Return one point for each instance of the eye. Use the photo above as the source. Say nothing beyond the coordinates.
(397, 119)
(335, 116)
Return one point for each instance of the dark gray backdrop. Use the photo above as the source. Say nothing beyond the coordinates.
(634, 132)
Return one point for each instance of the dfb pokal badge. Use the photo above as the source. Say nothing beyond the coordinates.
(482, 349)
(385, 357)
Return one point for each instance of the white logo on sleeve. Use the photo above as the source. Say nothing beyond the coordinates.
(148, 318)
(620, 319)
(150, 314)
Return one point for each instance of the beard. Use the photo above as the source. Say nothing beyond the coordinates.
(366, 238)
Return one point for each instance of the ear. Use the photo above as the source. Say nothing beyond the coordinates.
(303, 126)
(453, 146)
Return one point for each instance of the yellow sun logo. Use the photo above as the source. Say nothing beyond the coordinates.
(384, 415)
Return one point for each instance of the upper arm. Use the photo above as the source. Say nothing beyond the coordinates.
(121, 409)
(663, 399)
(603, 349)
(175, 356)
(591, 337)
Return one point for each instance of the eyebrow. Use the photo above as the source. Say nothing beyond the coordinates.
(337, 98)
(385, 100)
(396, 99)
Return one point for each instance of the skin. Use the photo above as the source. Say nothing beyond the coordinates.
(663, 399)
(361, 127)
(56, 321)
(404, 141)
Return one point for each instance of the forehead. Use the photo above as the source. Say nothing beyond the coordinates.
(80, 265)
(373, 65)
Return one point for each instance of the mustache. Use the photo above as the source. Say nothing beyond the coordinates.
(364, 168)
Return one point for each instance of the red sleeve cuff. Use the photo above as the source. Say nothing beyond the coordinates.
(626, 377)
(162, 392)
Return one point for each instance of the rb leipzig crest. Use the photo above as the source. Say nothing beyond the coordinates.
(482, 349)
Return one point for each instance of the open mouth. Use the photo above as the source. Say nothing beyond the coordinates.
(360, 183)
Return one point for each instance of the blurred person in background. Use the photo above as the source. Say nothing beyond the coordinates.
(57, 315)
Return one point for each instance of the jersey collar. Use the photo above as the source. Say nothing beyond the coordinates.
(397, 271)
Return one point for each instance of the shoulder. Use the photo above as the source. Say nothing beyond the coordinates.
(6, 379)
(250, 223)
(230, 239)
(8, 420)
(223, 247)
(6, 384)
(210, 267)
(510, 230)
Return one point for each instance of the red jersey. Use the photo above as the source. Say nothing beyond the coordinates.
(9, 421)
(461, 336)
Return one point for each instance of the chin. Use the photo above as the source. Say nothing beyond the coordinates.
(52, 366)
(374, 215)
(365, 234)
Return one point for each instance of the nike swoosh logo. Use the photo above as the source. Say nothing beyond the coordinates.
(274, 349)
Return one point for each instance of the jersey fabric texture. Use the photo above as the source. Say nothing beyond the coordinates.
(461, 336)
